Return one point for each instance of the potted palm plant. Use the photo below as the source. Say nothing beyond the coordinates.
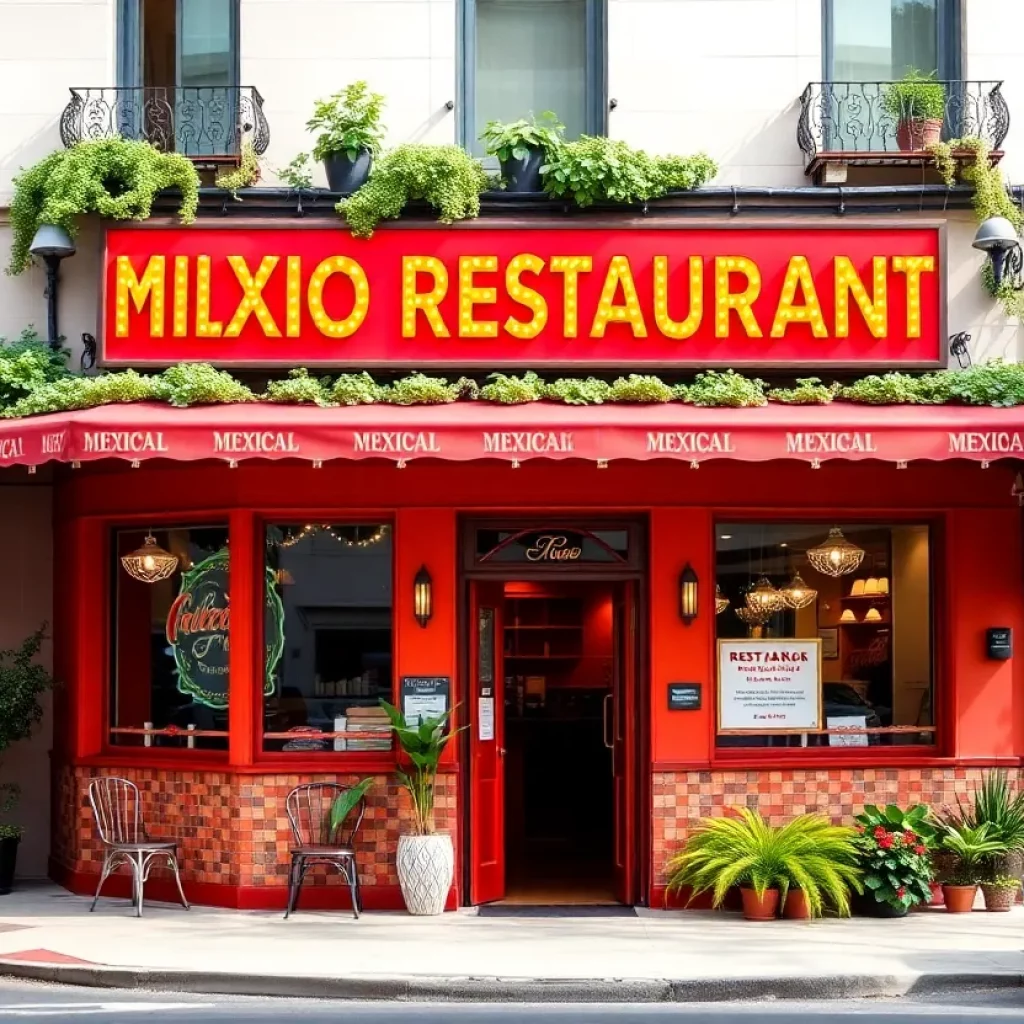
(350, 135)
(766, 862)
(522, 148)
(895, 858)
(972, 848)
(917, 103)
(426, 858)
(22, 682)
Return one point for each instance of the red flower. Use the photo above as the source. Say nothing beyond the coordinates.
(881, 833)
(909, 838)
(860, 829)
(901, 892)
(886, 842)
(920, 851)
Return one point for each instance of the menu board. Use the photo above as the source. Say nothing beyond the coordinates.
(769, 685)
(424, 697)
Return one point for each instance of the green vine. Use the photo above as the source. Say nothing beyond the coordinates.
(116, 178)
(245, 175)
(446, 177)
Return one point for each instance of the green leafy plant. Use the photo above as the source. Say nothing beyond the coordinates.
(116, 178)
(510, 390)
(27, 364)
(725, 388)
(1002, 882)
(993, 804)
(347, 122)
(744, 849)
(591, 391)
(298, 389)
(187, 384)
(245, 175)
(808, 391)
(894, 854)
(298, 175)
(356, 389)
(639, 387)
(973, 847)
(346, 802)
(23, 681)
(515, 139)
(598, 169)
(423, 745)
(446, 177)
(915, 97)
(419, 389)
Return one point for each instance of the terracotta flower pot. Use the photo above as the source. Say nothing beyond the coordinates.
(796, 907)
(760, 908)
(998, 898)
(914, 136)
(959, 898)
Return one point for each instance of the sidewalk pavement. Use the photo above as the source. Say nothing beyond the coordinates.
(657, 956)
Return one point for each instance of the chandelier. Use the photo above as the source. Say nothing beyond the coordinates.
(797, 594)
(836, 556)
(150, 563)
(721, 601)
(752, 616)
(764, 597)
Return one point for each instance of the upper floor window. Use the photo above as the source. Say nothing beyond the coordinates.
(523, 57)
(883, 40)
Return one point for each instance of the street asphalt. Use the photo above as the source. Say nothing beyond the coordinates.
(30, 1002)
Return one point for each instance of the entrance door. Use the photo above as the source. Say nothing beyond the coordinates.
(486, 744)
(620, 736)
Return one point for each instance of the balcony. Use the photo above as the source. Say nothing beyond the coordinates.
(854, 124)
(205, 123)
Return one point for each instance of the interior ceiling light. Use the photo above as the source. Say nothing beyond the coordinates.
(764, 597)
(721, 601)
(150, 563)
(797, 594)
(752, 616)
(836, 556)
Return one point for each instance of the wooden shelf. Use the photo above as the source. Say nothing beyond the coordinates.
(869, 622)
(866, 597)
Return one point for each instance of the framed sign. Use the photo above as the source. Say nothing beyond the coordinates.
(425, 697)
(829, 636)
(769, 686)
(684, 696)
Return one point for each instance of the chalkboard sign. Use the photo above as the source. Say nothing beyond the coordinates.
(684, 696)
(425, 697)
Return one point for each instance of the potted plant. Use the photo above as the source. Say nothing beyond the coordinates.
(1000, 892)
(522, 148)
(22, 682)
(350, 135)
(766, 861)
(893, 847)
(426, 858)
(971, 848)
(917, 102)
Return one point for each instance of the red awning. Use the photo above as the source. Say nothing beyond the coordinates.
(480, 430)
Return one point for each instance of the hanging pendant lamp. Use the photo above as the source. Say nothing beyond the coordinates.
(763, 596)
(752, 616)
(836, 556)
(721, 601)
(797, 594)
(150, 563)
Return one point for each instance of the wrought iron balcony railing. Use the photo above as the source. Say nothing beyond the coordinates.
(872, 122)
(201, 122)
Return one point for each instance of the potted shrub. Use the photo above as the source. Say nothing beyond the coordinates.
(350, 134)
(426, 858)
(766, 861)
(22, 682)
(971, 848)
(522, 148)
(917, 102)
(893, 848)
(1000, 892)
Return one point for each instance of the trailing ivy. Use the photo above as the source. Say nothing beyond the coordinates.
(446, 177)
(116, 178)
(245, 175)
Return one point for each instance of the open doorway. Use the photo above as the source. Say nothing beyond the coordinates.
(559, 664)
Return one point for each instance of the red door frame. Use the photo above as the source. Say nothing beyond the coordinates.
(633, 576)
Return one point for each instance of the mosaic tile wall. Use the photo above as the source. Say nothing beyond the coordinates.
(682, 798)
(233, 829)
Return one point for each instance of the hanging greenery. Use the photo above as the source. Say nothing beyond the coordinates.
(116, 178)
(245, 175)
(446, 177)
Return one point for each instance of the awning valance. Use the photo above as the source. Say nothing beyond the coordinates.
(479, 430)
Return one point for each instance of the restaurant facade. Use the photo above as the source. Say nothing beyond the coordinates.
(642, 612)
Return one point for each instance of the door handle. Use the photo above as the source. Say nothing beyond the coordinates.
(605, 717)
(501, 751)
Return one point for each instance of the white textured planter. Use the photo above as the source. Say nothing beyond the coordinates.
(426, 865)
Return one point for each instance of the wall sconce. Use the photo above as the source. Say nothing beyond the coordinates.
(52, 244)
(997, 238)
(423, 597)
(688, 594)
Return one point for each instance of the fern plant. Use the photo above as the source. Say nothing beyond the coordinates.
(744, 849)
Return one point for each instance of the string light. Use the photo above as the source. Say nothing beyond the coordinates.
(311, 529)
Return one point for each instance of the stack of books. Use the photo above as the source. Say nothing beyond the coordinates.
(369, 720)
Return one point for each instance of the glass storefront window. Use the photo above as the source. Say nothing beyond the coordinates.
(334, 585)
(873, 622)
(169, 686)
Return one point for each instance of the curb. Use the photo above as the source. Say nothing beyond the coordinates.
(486, 989)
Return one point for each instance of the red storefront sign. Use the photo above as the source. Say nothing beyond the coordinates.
(515, 298)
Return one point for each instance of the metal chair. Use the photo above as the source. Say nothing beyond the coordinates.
(309, 811)
(117, 810)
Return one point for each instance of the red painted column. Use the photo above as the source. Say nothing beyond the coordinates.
(246, 639)
(87, 678)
